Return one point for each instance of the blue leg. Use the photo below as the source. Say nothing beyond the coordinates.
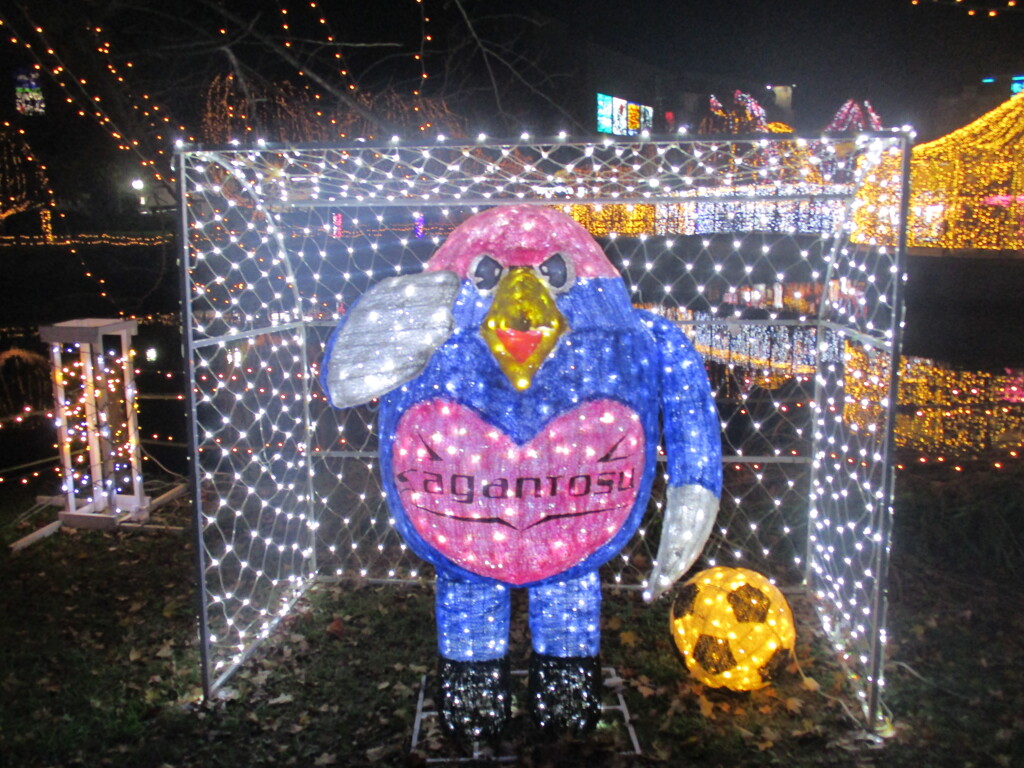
(565, 674)
(565, 617)
(472, 619)
(473, 670)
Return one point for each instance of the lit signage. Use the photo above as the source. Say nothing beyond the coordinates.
(622, 118)
(1016, 82)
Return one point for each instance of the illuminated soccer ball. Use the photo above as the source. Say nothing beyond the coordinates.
(733, 627)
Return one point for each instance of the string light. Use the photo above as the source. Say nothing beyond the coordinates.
(271, 267)
(292, 113)
(23, 181)
(988, 10)
(745, 116)
(102, 238)
(159, 121)
(947, 413)
(734, 628)
(421, 56)
(855, 116)
(966, 189)
(78, 90)
(96, 421)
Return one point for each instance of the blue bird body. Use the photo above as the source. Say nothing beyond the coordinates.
(524, 403)
(612, 352)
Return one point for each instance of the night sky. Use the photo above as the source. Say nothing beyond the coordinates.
(899, 56)
(908, 61)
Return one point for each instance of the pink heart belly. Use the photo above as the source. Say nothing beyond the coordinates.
(518, 513)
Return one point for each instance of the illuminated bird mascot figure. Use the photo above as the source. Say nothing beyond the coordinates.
(522, 403)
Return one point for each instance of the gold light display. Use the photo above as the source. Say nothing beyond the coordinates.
(943, 412)
(734, 628)
(967, 188)
(602, 220)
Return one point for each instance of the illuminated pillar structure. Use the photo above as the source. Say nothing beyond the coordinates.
(97, 426)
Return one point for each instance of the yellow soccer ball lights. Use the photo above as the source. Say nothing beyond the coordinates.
(733, 627)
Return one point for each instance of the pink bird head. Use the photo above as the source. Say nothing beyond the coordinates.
(521, 236)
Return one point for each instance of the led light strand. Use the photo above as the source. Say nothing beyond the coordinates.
(76, 92)
(983, 9)
(282, 243)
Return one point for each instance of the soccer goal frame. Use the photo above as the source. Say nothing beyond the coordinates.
(782, 257)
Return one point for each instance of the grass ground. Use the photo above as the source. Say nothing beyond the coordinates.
(99, 660)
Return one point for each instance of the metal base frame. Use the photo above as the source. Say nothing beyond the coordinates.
(107, 520)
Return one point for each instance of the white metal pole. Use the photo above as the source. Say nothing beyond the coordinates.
(92, 429)
(131, 418)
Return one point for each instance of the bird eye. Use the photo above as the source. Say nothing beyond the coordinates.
(557, 271)
(486, 272)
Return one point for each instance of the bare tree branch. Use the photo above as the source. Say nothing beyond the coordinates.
(286, 56)
(485, 53)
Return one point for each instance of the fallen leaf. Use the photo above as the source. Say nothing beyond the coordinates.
(336, 629)
(284, 698)
(400, 690)
(706, 707)
(375, 753)
(629, 638)
(326, 759)
(810, 684)
(794, 705)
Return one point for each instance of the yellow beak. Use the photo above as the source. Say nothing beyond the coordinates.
(522, 326)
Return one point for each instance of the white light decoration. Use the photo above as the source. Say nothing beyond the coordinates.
(97, 424)
(744, 244)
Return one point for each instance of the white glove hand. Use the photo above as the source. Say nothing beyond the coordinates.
(690, 512)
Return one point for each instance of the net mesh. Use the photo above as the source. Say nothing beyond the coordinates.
(746, 244)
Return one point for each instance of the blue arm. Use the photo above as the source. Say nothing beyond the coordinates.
(693, 443)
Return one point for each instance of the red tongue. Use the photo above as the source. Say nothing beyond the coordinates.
(520, 344)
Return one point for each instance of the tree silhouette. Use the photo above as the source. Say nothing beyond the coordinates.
(23, 183)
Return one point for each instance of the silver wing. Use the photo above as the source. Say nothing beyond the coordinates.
(690, 512)
(389, 335)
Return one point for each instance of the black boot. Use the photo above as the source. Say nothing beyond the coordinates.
(474, 697)
(565, 693)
